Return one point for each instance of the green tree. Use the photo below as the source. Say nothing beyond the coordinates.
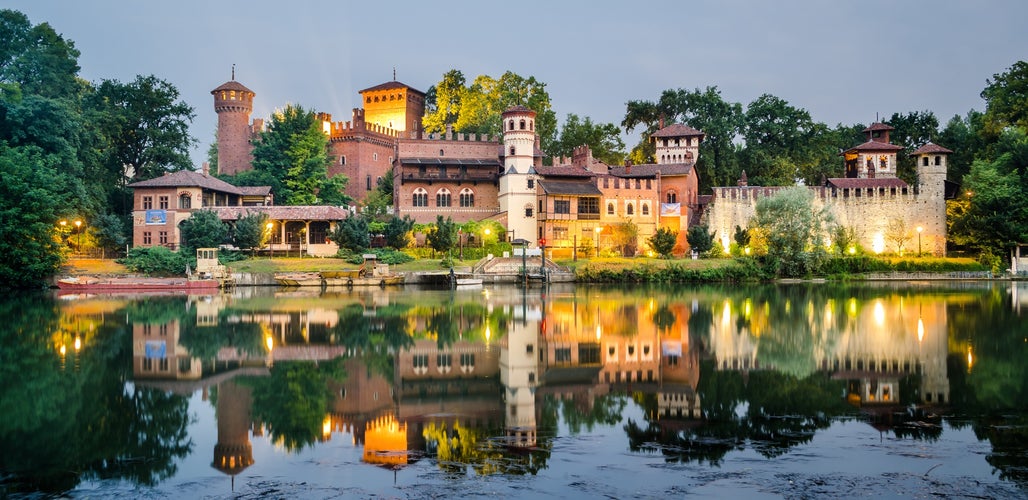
(963, 136)
(625, 238)
(35, 59)
(203, 229)
(911, 130)
(110, 230)
(145, 125)
(663, 241)
(700, 239)
(1006, 99)
(476, 108)
(251, 231)
(777, 136)
(995, 216)
(29, 198)
(795, 231)
(398, 231)
(352, 234)
(292, 157)
(444, 235)
(721, 121)
(603, 139)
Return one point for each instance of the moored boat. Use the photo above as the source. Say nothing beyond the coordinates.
(299, 279)
(125, 284)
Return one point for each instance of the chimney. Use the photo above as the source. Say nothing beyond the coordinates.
(628, 167)
(206, 169)
(661, 121)
(743, 181)
(449, 132)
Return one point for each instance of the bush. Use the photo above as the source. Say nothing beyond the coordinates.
(156, 261)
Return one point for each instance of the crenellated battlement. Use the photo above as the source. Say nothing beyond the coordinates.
(451, 136)
(357, 125)
(836, 194)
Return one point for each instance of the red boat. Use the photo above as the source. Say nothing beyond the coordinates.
(95, 284)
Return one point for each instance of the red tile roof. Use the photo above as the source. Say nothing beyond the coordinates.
(677, 130)
(877, 182)
(930, 148)
(518, 109)
(877, 126)
(874, 146)
(255, 190)
(564, 171)
(188, 178)
(285, 212)
(232, 85)
(569, 187)
(393, 85)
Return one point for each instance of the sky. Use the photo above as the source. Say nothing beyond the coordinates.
(846, 62)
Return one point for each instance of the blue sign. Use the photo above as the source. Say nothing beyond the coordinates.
(156, 216)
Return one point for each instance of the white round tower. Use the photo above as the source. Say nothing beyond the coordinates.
(517, 181)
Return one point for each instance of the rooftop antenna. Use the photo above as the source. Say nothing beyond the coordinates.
(394, 73)
(233, 71)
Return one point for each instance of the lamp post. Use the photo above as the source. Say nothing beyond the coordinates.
(486, 233)
(919, 229)
(598, 229)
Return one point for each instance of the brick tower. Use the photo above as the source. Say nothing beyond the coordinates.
(233, 102)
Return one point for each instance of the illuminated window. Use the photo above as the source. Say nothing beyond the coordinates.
(147, 202)
(560, 232)
(646, 209)
(610, 208)
(467, 198)
(420, 197)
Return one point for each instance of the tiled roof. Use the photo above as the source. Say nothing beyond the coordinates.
(285, 212)
(255, 190)
(877, 182)
(651, 169)
(677, 130)
(188, 178)
(875, 146)
(393, 85)
(564, 171)
(232, 85)
(876, 126)
(488, 162)
(518, 109)
(930, 148)
(569, 187)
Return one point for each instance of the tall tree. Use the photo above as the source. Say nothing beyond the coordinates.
(443, 101)
(794, 231)
(1006, 99)
(777, 137)
(146, 126)
(962, 135)
(912, 130)
(721, 122)
(291, 156)
(36, 59)
(603, 139)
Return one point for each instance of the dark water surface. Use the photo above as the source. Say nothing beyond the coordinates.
(810, 391)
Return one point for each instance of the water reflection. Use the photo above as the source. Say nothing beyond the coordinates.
(486, 380)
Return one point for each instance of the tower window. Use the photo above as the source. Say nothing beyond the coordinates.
(440, 152)
(367, 183)
(342, 159)
(511, 126)
(924, 161)
(645, 209)
(522, 124)
(629, 209)
(531, 183)
(528, 211)
(610, 208)
(938, 160)
(374, 156)
(512, 150)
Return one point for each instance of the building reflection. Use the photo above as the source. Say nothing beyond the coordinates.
(470, 375)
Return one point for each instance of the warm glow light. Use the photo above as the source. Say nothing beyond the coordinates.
(725, 242)
(78, 343)
(726, 314)
(326, 426)
(78, 224)
(851, 307)
(746, 250)
(269, 341)
(920, 330)
(970, 359)
(270, 225)
(878, 243)
(598, 229)
(487, 332)
(487, 231)
(64, 223)
(598, 332)
(879, 313)
(62, 350)
(853, 250)
(919, 229)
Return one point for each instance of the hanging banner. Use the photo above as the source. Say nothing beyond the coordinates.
(670, 209)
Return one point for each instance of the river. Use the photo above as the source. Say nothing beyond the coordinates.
(901, 389)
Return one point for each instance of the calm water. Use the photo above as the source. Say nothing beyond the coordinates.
(907, 389)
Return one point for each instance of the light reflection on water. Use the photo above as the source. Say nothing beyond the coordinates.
(565, 391)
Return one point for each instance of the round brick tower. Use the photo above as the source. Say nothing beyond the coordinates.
(233, 102)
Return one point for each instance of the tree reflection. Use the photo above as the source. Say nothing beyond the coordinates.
(71, 416)
(294, 400)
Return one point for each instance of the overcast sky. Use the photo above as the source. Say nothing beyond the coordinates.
(844, 62)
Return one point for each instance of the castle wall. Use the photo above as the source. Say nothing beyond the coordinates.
(868, 211)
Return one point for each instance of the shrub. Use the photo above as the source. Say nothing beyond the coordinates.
(156, 261)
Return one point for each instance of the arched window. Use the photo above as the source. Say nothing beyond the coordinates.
(511, 126)
(629, 209)
(185, 201)
(522, 124)
(342, 159)
(467, 198)
(610, 208)
(442, 198)
(420, 197)
(672, 196)
(646, 209)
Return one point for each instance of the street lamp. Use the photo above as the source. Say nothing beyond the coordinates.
(598, 229)
(919, 229)
(486, 232)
